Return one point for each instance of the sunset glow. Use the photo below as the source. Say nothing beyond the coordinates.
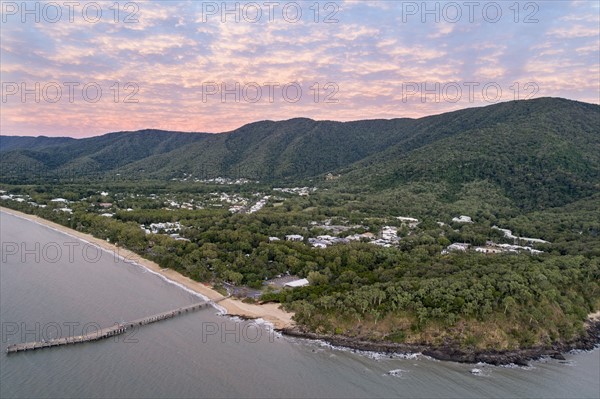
(214, 66)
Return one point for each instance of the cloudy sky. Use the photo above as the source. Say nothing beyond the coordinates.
(86, 68)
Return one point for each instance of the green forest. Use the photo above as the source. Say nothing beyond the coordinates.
(409, 293)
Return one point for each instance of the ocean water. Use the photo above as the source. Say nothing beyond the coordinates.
(53, 284)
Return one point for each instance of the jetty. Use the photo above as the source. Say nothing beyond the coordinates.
(117, 329)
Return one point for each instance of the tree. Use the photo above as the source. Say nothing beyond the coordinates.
(316, 278)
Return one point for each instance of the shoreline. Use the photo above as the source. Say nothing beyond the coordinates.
(454, 353)
(269, 312)
(282, 320)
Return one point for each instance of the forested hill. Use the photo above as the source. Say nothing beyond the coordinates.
(540, 153)
(26, 157)
(8, 143)
(547, 146)
(291, 150)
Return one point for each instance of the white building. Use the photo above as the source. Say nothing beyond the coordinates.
(382, 243)
(508, 234)
(297, 283)
(488, 250)
(389, 233)
(412, 222)
(457, 246)
(462, 219)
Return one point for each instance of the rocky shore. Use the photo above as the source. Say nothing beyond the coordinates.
(520, 357)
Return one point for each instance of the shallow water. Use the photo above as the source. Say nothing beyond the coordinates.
(203, 354)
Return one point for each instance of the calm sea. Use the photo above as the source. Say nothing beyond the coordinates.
(53, 284)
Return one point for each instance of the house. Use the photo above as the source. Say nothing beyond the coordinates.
(389, 233)
(412, 222)
(326, 237)
(294, 237)
(462, 219)
(236, 208)
(157, 228)
(489, 250)
(508, 234)
(318, 243)
(272, 239)
(297, 283)
(406, 219)
(382, 243)
(530, 240)
(457, 246)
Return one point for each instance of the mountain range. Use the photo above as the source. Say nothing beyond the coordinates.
(541, 152)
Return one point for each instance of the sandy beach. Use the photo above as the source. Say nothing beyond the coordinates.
(270, 312)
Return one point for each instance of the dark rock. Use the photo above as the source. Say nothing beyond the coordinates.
(452, 352)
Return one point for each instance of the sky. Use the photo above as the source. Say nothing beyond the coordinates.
(85, 68)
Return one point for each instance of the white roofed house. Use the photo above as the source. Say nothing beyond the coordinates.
(510, 235)
(318, 243)
(382, 243)
(533, 240)
(326, 237)
(489, 250)
(412, 222)
(294, 237)
(297, 283)
(389, 233)
(462, 219)
(457, 246)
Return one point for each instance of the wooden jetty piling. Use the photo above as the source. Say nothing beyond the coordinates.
(106, 332)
